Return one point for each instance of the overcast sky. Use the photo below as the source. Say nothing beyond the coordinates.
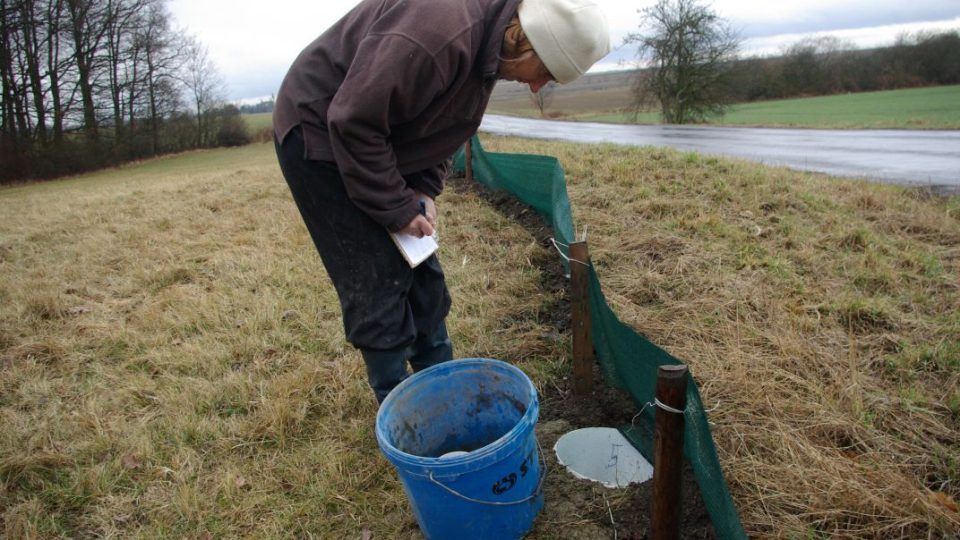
(253, 42)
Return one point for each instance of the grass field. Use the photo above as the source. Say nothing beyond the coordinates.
(820, 317)
(259, 121)
(174, 366)
(919, 108)
(259, 126)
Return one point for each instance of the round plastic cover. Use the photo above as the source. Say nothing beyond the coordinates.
(602, 455)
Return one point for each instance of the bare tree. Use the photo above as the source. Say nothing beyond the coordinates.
(34, 38)
(110, 70)
(162, 58)
(57, 67)
(819, 65)
(86, 27)
(10, 151)
(205, 88)
(124, 20)
(689, 49)
(541, 100)
(933, 56)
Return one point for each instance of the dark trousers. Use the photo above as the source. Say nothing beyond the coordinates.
(391, 312)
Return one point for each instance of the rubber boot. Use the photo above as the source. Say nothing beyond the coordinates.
(385, 370)
(430, 350)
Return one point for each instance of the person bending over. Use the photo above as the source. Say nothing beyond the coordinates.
(363, 123)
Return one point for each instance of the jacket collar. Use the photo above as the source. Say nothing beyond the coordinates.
(501, 11)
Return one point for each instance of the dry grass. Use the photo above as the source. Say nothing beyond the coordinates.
(821, 315)
(173, 362)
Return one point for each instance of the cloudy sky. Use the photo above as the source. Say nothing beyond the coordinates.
(253, 42)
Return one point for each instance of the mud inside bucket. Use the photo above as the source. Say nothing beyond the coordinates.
(461, 436)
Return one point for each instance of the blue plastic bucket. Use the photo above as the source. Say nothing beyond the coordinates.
(461, 435)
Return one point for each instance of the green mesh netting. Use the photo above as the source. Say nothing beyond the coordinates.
(627, 359)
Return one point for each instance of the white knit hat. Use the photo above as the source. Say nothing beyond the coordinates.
(569, 36)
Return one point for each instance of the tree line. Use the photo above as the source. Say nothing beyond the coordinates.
(827, 65)
(263, 106)
(92, 83)
(691, 68)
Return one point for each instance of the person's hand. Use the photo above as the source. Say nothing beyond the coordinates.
(423, 224)
(431, 209)
(418, 227)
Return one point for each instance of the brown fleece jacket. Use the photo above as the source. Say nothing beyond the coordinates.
(392, 90)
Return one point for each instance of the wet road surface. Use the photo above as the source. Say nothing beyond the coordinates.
(910, 157)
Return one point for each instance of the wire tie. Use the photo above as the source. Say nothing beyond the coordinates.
(564, 255)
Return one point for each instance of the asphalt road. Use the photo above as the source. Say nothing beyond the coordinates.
(910, 157)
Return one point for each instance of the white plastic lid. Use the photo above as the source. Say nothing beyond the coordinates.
(603, 455)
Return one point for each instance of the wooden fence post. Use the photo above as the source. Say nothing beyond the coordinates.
(583, 354)
(468, 159)
(668, 453)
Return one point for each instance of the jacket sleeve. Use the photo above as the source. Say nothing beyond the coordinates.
(429, 181)
(390, 81)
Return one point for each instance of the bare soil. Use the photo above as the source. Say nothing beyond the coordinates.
(587, 509)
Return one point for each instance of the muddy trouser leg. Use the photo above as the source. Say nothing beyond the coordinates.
(387, 307)
(431, 349)
(432, 345)
(385, 370)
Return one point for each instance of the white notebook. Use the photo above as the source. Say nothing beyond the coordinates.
(414, 250)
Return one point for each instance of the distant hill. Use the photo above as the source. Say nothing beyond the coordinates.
(609, 91)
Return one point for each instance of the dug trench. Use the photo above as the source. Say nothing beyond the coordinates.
(582, 508)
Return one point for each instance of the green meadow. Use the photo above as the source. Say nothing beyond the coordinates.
(259, 121)
(919, 108)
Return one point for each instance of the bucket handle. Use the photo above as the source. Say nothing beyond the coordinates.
(536, 492)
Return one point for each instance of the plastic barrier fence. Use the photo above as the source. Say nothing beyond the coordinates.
(627, 359)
